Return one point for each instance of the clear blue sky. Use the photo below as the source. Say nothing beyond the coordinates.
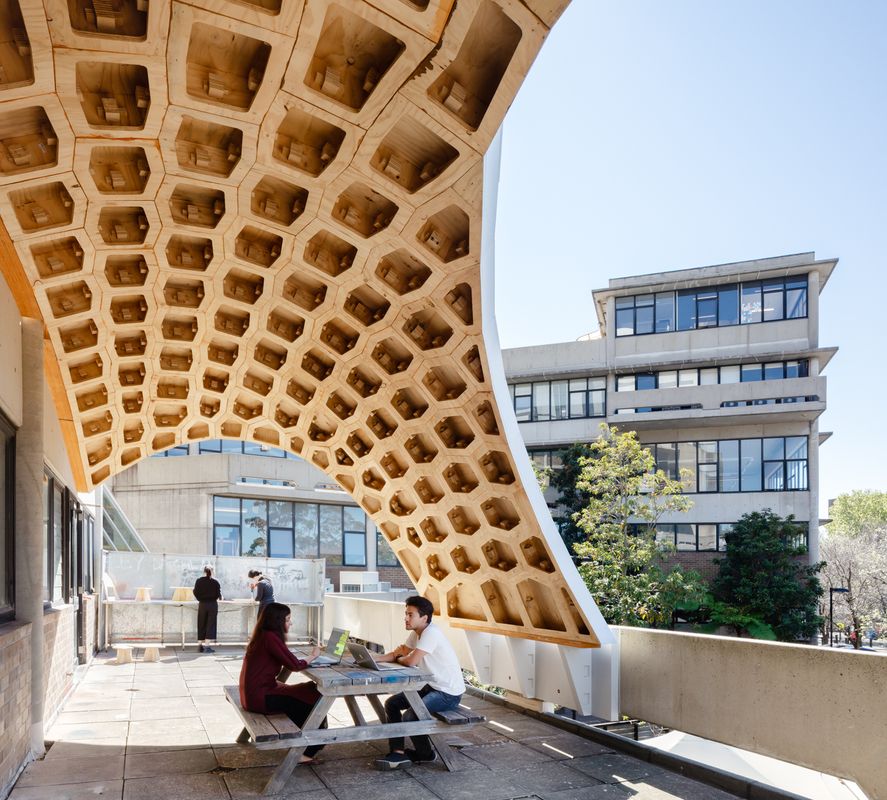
(663, 135)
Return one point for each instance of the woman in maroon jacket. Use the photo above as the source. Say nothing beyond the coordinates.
(260, 691)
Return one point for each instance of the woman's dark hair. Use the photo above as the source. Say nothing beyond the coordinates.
(271, 620)
(208, 571)
(254, 573)
(423, 606)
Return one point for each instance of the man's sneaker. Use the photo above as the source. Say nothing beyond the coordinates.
(392, 761)
(208, 650)
(416, 758)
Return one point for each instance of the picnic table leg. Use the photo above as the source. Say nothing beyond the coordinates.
(440, 743)
(354, 708)
(282, 774)
(376, 703)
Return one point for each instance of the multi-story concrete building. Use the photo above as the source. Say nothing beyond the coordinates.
(718, 369)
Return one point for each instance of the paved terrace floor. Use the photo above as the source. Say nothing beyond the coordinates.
(164, 731)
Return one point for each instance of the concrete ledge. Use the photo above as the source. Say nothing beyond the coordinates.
(712, 776)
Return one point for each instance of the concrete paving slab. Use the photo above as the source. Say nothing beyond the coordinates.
(482, 784)
(84, 717)
(604, 791)
(107, 790)
(176, 787)
(172, 762)
(410, 790)
(59, 771)
(505, 756)
(208, 691)
(105, 748)
(247, 783)
(145, 710)
(85, 730)
(565, 745)
(343, 772)
(615, 768)
(552, 776)
(669, 786)
(239, 756)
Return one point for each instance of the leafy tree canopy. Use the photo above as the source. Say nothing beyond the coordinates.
(762, 575)
(857, 512)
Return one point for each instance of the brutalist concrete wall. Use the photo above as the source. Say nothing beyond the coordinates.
(820, 708)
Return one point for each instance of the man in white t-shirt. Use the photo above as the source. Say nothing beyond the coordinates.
(426, 647)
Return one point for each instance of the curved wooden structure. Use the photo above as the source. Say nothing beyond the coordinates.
(261, 220)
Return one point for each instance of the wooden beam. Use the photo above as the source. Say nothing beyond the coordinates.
(514, 633)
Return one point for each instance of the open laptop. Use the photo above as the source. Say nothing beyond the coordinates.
(334, 650)
(362, 657)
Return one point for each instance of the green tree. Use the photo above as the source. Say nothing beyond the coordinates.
(571, 499)
(857, 512)
(621, 562)
(762, 575)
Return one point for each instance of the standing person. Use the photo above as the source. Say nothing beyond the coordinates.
(263, 588)
(208, 592)
(260, 691)
(426, 647)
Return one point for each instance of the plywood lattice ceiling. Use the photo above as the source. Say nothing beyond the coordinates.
(261, 220)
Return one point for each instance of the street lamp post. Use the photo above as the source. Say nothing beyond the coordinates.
(831, 610)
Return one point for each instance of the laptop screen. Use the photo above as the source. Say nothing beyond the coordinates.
(337, 641)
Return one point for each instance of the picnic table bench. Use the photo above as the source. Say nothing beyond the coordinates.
(349, 682)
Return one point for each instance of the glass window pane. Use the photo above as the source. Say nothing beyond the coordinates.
(686, 537)
(750, 465)
(687, 464)
(306, 530)
(752, 372)
(226, 510)
(624, 321)
(643, 319)
(231, 446)
(773, 371)
(254, 449)
(728, 305)
(688, 377)
(578, 384)
(686, 310)
(559, 398)
(667, 459)
(281, 543)
(668, 380)
(355, 549)
(331, 534)
(597, 383)
(708, 537)
(384, 554)
(723, 530)
(665, 534)
(625, 302)
(210, 446)
(280, 514)
(708, 376)
(706, 311)
(730, 374)
(227, 540)
(796, 475)
(57, 521)
(728, 465)
(774, 449)
(793, 369)
(625, 383)
(253, 527)
(522, 408)
(541, 401)
(773, 301)
(665, 312)
(597, 403)
(355, 519)
(643, 301)
(796, 447)
(796, 303)
(708, 477)
(645, 380)
(750, 308)
(523, 389)
(774, 479)
(708, 452)
(577, 404)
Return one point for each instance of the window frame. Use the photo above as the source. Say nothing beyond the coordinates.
(7, 519)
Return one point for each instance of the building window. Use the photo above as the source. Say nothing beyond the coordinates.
(170, 452)
(236, 447)
(775, 464)
(245, 526)
(384, 554)
(576, 398)
(714, 306)
(705, 536)
(7, 520)
(705, 376)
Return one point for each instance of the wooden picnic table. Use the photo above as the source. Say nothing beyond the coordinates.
(350, 682)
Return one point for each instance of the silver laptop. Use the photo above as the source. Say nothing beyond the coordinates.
(334, 650)
(362, 657)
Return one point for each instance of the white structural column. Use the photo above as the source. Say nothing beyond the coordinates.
(29, 515)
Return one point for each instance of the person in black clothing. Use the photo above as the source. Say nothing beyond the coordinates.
(263, 587)
(208, 593)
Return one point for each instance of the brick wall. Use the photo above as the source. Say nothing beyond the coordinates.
(59, 658)
(703, 562)
(15, 701)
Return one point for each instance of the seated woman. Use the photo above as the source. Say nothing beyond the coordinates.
(260, 691)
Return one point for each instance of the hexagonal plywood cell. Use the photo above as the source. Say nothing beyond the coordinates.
(265, 226)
